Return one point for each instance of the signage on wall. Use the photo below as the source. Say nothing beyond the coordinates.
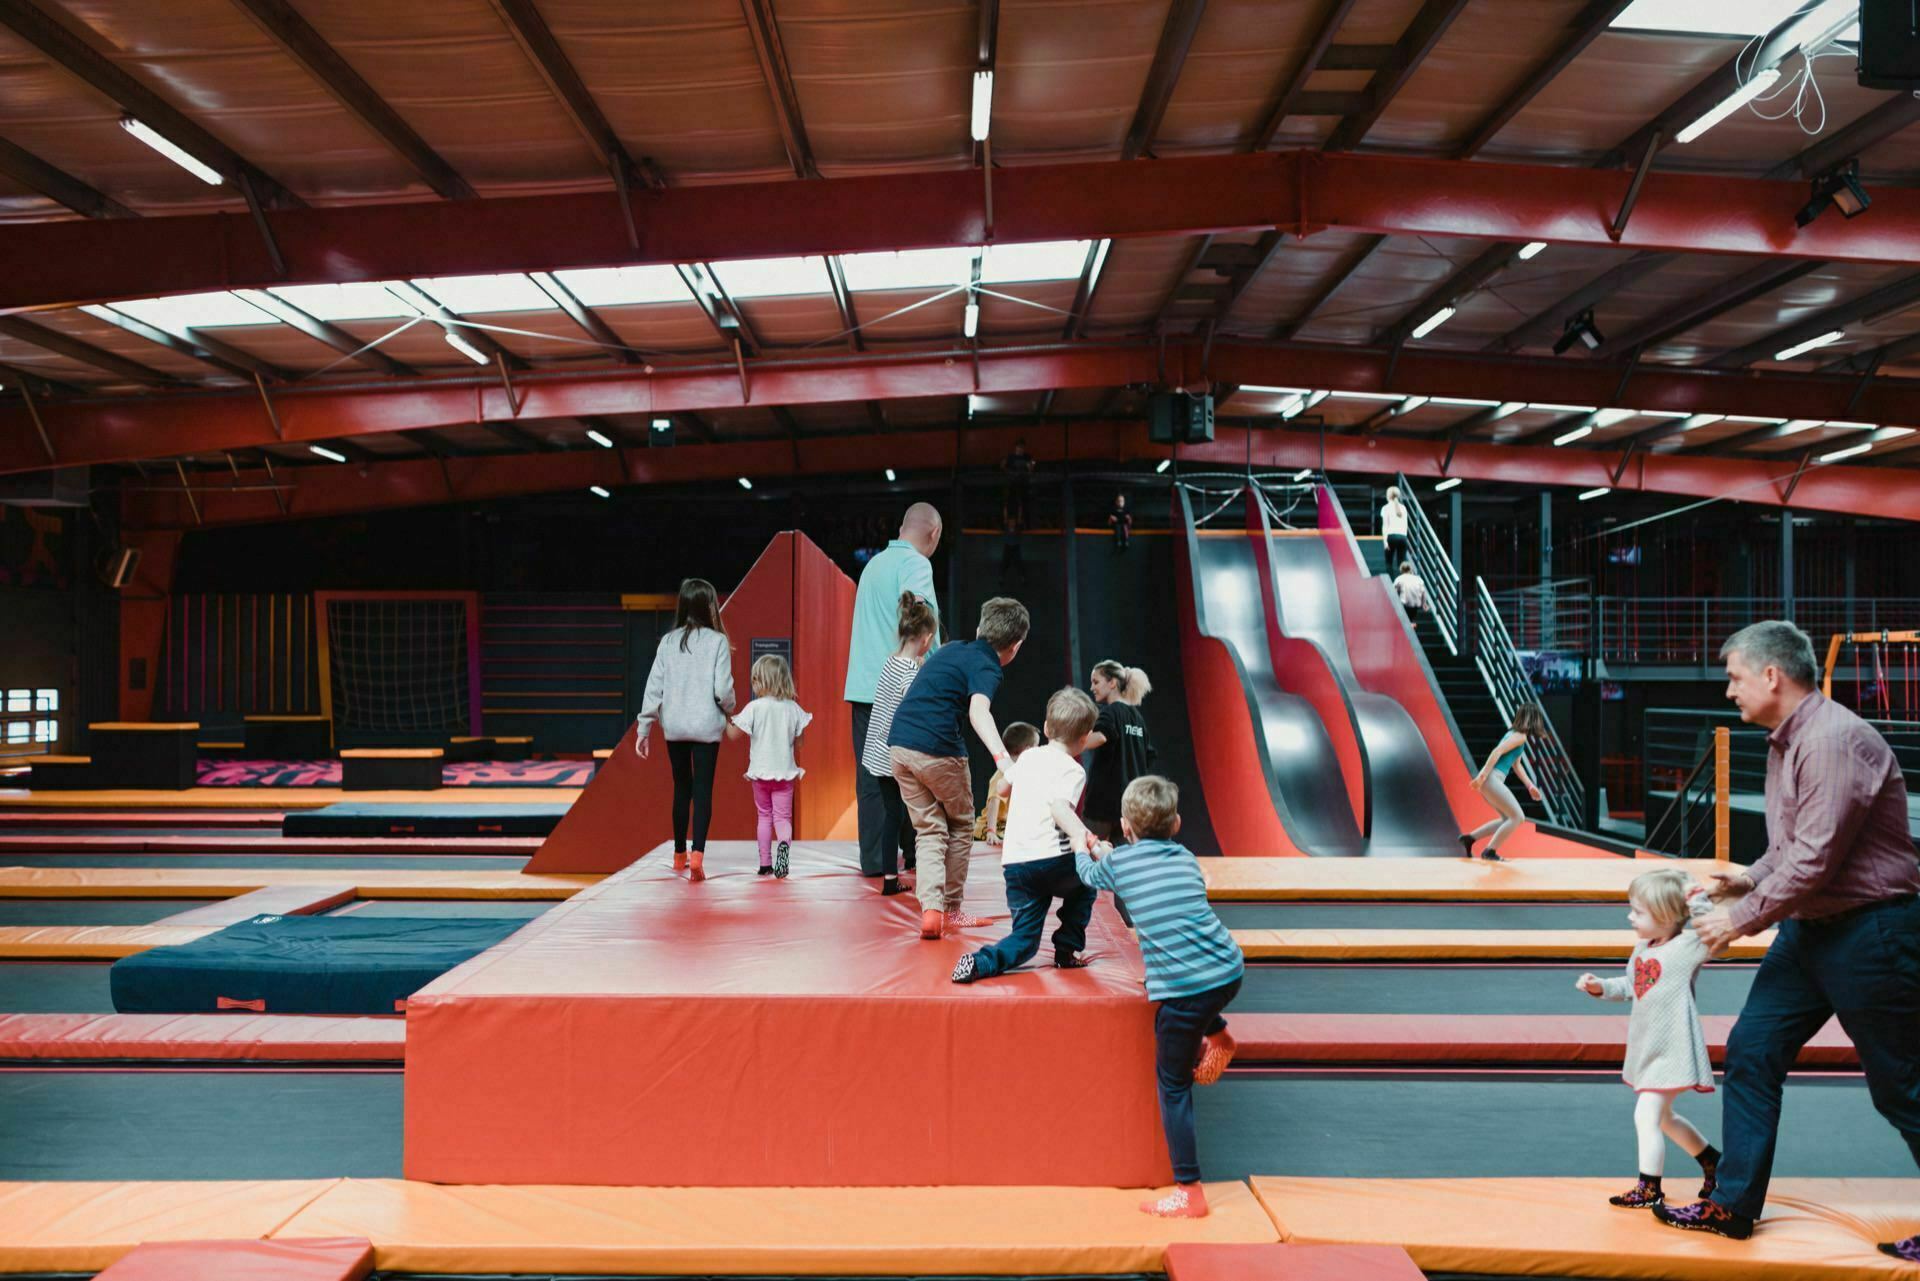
(761, 646)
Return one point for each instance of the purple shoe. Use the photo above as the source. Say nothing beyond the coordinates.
(1706, 1216)
(1908, 1249)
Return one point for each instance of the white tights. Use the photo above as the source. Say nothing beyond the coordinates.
(1500, 796)
(1654, 1121)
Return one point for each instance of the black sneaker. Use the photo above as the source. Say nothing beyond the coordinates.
(1466, 843)
(766, 869)
(965, 970)
(1908, 1249)
(1070, 961)
(780, 860)
(1706, 1216)
(890, 885)
(1491, 856)
(1641, 1196)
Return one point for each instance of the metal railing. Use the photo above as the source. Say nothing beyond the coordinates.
(1564, 795)
(1679, 630)
(1673, 737)
(1698, 823)
(1435, 567)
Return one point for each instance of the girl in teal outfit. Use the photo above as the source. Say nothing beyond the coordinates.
(1491, 782)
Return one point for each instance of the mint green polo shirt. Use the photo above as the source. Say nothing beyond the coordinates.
(876, 613)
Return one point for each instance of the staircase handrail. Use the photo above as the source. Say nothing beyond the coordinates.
(1499, 662)
(1681, 807)
(1434, 565)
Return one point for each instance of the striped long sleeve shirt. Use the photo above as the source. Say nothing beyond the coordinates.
(1186, 948)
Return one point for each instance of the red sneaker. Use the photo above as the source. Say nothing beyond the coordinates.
(1215, 1053)
(963, 920)
(932, 924)
(1186, 1201)
(696, 865)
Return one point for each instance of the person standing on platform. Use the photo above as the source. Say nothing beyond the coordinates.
(1840, 884)
(928, 746)
(1120, 517)
(1393, 523)
(1412, 591)
(690, 694)
(1122, 749)
(903, 566)
(916, 629)
(773, 723)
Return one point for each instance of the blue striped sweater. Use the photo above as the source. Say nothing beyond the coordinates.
(1186, 948)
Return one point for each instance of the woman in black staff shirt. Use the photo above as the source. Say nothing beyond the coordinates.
(1122, 750)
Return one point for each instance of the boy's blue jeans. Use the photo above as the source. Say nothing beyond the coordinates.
(1178, 1025)
(1031, 889)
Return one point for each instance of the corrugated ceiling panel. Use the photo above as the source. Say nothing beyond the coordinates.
(1069, 74)
(1617, 85)
(1240, 59)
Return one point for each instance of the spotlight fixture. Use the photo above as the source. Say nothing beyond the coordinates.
(745, 483)
(660, 433)
(1531, 250)
(1595, 493)
(331, 455)
(1302, 474)
(599, 438)
(1164, 464)
(1434, 321)
(1451, 482)
(599, 491)
(1579, 329)
(173, 151)
(1838, 188)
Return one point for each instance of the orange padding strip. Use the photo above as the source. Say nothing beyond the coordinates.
(342, 1260)
(1501, 945)
(1813, 1228)
(422, 1227)
(92, 942)
(1536, 880)
(222, 882)
(85, 1227)
(265, 1037)
(1187, 1262)
(1479, 1038)
(278, 900)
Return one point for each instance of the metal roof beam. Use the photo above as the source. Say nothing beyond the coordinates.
(322, 332)
(1286, 103)
(529, 30)
(1422, 34)
(57, 185)
(197, 345)
(1677, 318)
(1904, 292)
(61, 344)
(1176, 37)
(1586, 27)
(764, 28)
(584, 316)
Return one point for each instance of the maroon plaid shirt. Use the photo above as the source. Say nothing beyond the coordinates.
(1837, 834)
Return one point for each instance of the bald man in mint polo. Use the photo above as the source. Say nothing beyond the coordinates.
(903, 566)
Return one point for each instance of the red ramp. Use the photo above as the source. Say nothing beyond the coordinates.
(793, 594)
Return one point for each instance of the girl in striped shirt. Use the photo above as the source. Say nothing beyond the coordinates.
(917, 627)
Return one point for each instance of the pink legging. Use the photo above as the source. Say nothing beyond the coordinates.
(773, 799)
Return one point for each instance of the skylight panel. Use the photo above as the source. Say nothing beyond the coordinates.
(465, 295)
(194, 311)
(1041, 260)
(773, 277)
(359, 301)
(1719, 17)
(909, 269)
(625, 286)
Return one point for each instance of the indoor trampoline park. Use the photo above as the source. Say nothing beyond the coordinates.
(1065, 640)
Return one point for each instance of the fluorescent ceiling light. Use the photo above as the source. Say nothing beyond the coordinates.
(1595, 493)
(1845, 426)
(1368, 395)
(1434, 321)
(1451, 482)
(1700, 420)
(1664, 413)
(1508, 407)
(1848, 452)
(1465, 401)
(467, 349)
(625, 286)
(332, 456)
(469, 294)
(1608, 417)
(1744, 418)
(745, 483)
(1314, 398)
(599, 438)
(365, 300)
(182, 312)
(1036, 260)
(1799, 349)
(1560, 409)
(1756, 85)
(1798, 425)
(1410, 404)
(1718, 17)
(599, 491)
(1099, 265)
(1261, 389)
(1293, 408)
(977, 404)
(773, 277)
(982, 104)
(1303, 473)
(909, 269)
(663, 424)
(890, 475)
(1531, 250)
(971, 325)
(173, 151)
(1578, 433)
(1164, 464)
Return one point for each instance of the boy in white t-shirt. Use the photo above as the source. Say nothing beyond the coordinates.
(1037, 858)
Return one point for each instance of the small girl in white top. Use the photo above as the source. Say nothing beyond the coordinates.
(917, 627)
(1666, 1050)
(772, 723)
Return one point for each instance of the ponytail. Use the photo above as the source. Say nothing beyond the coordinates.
(916, 617)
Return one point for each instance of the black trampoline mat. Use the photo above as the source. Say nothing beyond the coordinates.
(1410, 1126)
(54, 987)
(501, 910)
(232, 1124)
(368, 862)
(1459, 988)
(1425, 916)
(93, 911)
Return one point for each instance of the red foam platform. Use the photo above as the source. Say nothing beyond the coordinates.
(1197, 1261)
(286, 1038)
(330, 1259)
(745, 1031)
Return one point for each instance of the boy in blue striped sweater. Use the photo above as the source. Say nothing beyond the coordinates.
(1193, 966)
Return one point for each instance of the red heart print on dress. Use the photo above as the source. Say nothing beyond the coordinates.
(1646, 972)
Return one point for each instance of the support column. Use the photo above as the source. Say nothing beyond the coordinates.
(1547, 622)
(1851, 569)
(1453, 535)
(1070, 554)
(1786, 563)
(143, 620)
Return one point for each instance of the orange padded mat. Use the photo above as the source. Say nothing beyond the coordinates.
(1197, 1262)
(735, 1032)
(1497, 945)
(84, 1227)
(276, 798)
(1479, 1038)
(280, 900)
(1814, 1229)
(343, 1259)
(224, 882)
(925, 1231)
(92, 942)
(1533, 880)
(295, 1038)
(263, 843)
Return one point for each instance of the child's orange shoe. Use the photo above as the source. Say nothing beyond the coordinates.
(1186, 1201)
(696, 865)
(1215, 1053)
(964, 920)
(679, 860)
(932, 924)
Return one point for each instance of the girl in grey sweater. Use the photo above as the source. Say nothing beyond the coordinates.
(690, 693)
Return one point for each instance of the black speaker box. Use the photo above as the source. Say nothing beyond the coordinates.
(1890, 44)
(1176, 418)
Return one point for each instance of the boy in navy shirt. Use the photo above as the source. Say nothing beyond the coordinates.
(928, 748)
(1193, 966)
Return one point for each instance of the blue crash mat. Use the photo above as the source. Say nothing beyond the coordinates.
(373, 818)
(302, 965)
